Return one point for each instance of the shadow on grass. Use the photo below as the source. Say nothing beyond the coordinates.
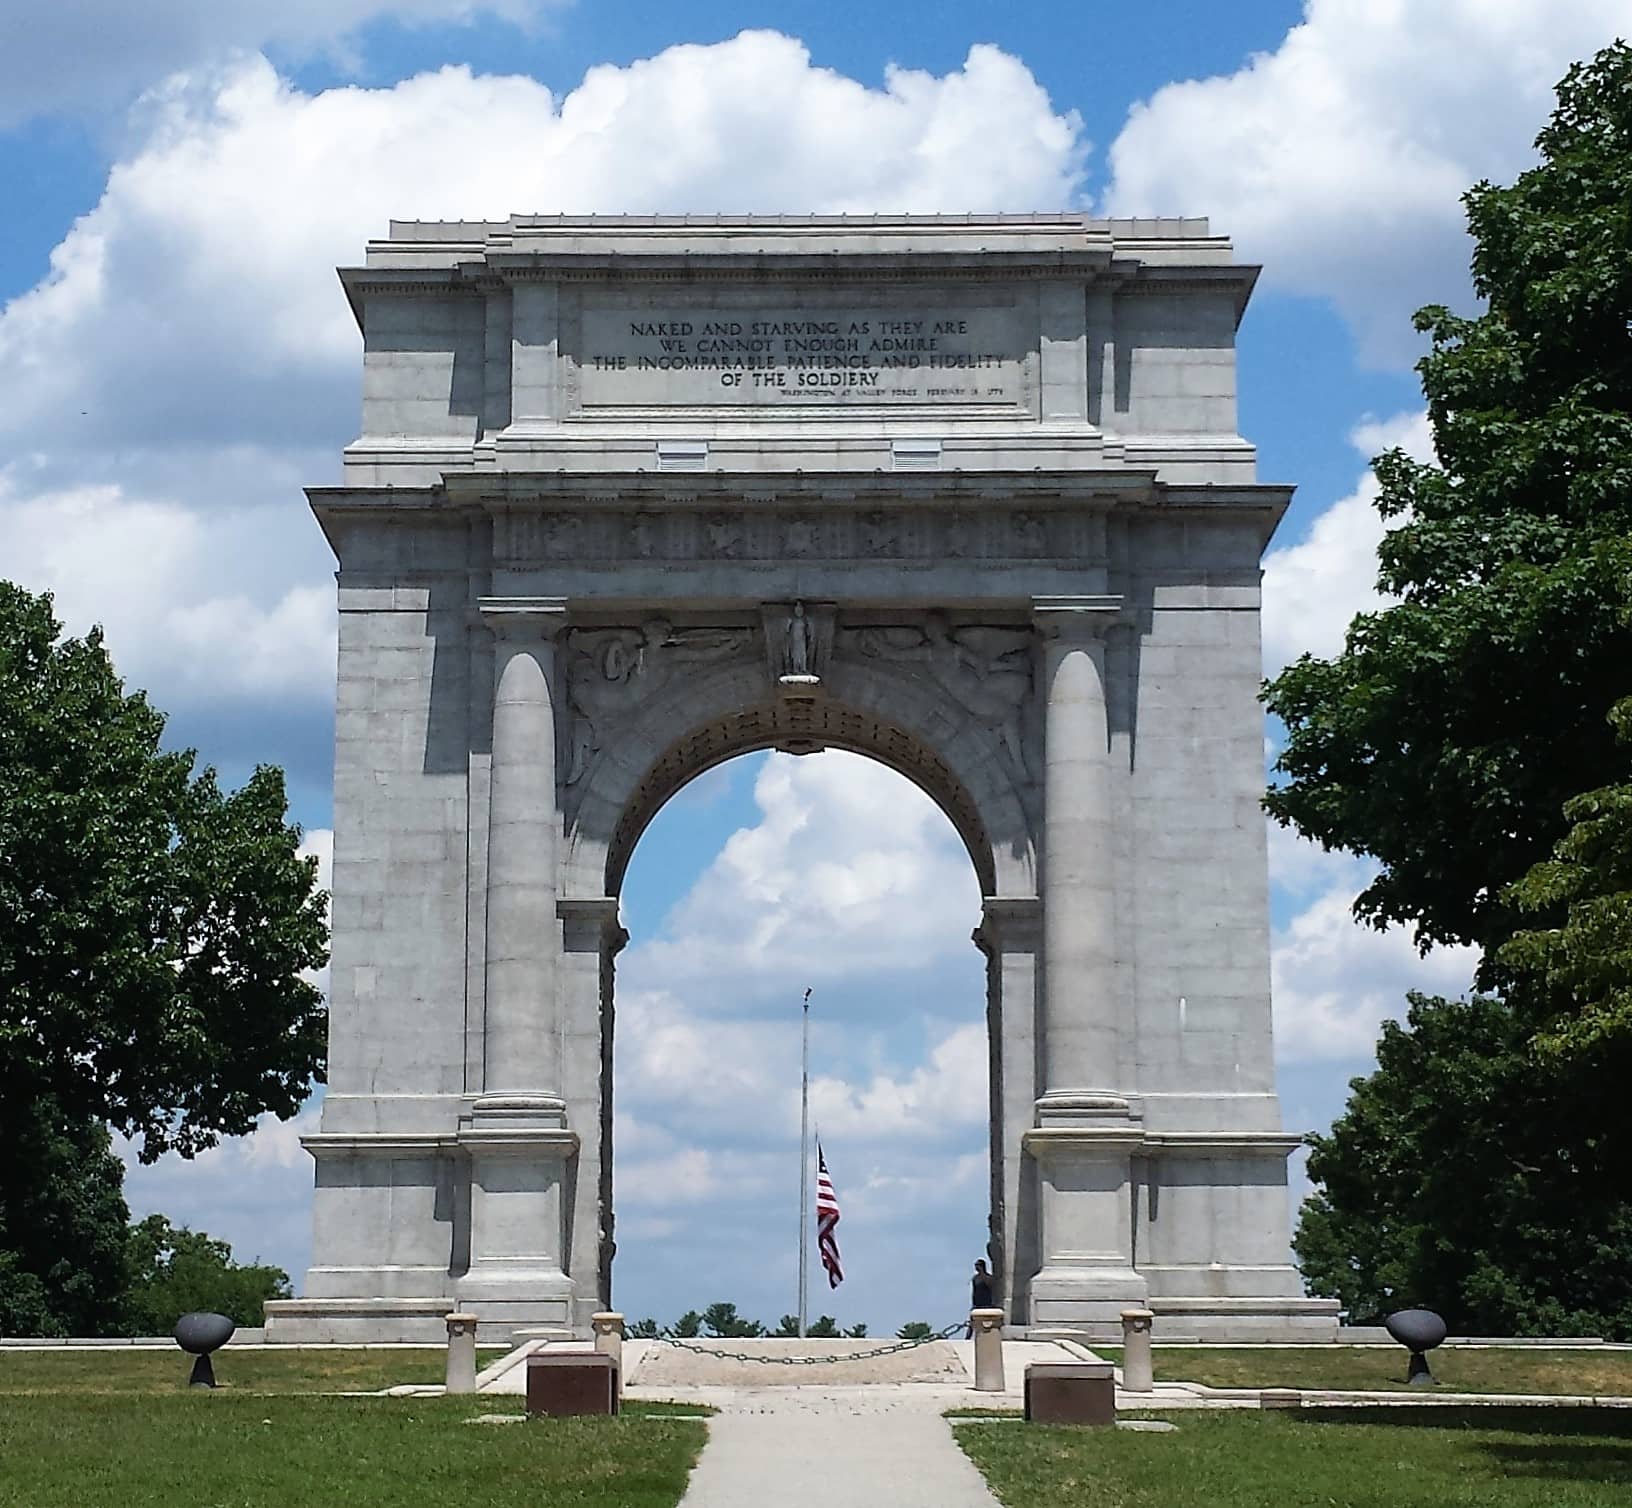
(1516, 1420)
(1571, 1453)
(1564, 1460)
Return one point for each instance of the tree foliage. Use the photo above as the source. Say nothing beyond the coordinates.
(1469, 1175)
(176, 1271)
(63, 1221)
(722, 1319)
(1447, 737)
(1466, 738)
(154, 931)
(1577, 976)
(153, 928)
(915, 1330)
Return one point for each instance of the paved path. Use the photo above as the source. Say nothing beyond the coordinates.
(834, 1448)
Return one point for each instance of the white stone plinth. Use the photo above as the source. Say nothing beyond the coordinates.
(1138, 1373)
(987, 1325)
(608, 1327)
(461, 1377)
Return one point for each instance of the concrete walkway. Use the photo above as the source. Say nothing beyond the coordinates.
(834, 1448)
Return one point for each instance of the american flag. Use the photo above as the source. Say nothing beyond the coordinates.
(827, 1221)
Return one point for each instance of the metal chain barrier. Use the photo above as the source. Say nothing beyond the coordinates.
(700, 1347)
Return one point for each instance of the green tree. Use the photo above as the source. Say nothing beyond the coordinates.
(63, 1221)
(1466, 739)
(722, 1319)
(178, 1271)
(787, 1326)
(824, 1327)
(915, 1330)
(153, 935)
(857, 1332)
(1448, 735)
(1474, 1176)
(1577, 976)
(645, 1329)
(688, 1327)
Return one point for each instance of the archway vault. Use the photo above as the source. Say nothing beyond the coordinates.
(900, 718)
(798, 727)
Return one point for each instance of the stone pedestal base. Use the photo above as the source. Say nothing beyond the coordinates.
(1284, 1317)
(1084, 1146)
(313, 1322)
(1189, 1224)
(410, 1225)
(520, 1155)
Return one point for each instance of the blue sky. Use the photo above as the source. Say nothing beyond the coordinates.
(176, 361)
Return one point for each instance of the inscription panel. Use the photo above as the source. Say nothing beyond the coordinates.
(896, 348)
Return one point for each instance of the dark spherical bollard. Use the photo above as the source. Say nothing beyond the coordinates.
(198, 1335)
(1419, 1331)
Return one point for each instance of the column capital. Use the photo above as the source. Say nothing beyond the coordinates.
(523, 617)
(1077, 617)
(591, 924)
(1009, 923)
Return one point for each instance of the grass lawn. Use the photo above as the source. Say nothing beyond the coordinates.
(161, 1370)
(1396, 1457)
(1521, 1369)
(128, 1451)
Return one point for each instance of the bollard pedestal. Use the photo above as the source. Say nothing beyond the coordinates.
(987, 1326)
(1138, 1370)
(608, 1327)
(461, 1353)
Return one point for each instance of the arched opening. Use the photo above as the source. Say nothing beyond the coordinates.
(741, 886)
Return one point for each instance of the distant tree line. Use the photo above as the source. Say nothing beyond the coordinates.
(720, 1321)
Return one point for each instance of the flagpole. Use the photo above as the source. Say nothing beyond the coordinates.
(804, 1160)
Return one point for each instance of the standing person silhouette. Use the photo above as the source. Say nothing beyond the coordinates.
(980, 1294)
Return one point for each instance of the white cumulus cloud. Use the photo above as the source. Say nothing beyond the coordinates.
(1339, 158)
(1314, 587)
(90, 55)
(180, 608)
(848, 876)
(186, 359)
(252, 1191)
(1334, 981)
(849, 868)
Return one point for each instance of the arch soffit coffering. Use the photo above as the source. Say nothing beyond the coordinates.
(903, 721)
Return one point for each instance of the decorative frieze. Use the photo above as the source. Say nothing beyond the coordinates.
(618, 535)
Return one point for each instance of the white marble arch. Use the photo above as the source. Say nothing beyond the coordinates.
(885, 713)
(573, 535)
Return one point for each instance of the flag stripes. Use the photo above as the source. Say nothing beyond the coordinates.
(827, 1221)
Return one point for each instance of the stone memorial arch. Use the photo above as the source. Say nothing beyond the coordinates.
(635, 495)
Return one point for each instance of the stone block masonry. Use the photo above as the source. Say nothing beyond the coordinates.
(990, 466)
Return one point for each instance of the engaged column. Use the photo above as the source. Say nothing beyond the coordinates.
(1088, 1120)
(516, 1137)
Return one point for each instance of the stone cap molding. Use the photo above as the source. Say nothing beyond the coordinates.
(1040, 1141)
(461, 492)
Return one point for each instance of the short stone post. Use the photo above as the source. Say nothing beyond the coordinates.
(1138, 1374)
(608, 1325)
(461, 1353)
(988, 1327)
